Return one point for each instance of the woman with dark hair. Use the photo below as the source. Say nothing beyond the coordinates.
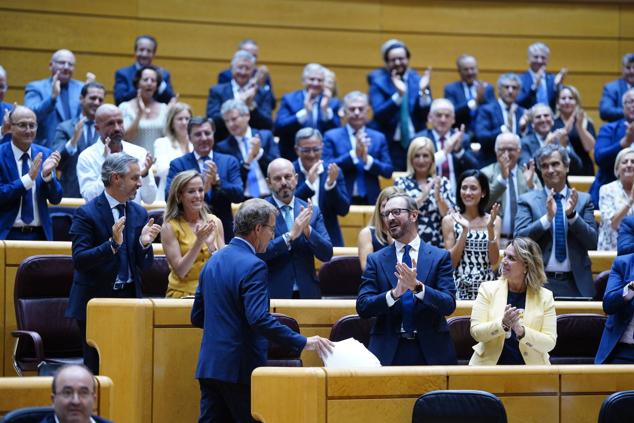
(471, 235)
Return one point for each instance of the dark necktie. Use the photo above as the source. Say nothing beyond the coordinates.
(404, 121)
(444, 168)
(407, 300)
(124, 268)
(27, 198)
(252, 177)
(90, 134)
(560, 230)
(360, 179)
(513, 200)
(65, 102)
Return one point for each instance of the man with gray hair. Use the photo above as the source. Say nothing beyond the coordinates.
(253, 148)
(561, 221)
(311, 107)
(539, 86)
(260, 73)
(112, 242)
(610, 106)
(242, 86)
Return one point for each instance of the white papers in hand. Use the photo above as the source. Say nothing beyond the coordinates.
(351, 353)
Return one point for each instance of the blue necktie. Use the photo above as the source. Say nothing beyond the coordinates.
(27, 198)
(89, 132)
(287, 212)
(124, 268)
(65, 102)
(560, 230)
(252, 177)
(404, 121)
(470, 97)
(542, 93)
(407, 300)
(360, 179)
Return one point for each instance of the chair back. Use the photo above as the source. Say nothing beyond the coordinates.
(281, 355)
(458, 406)
(157, 215)
(618, 408)
(578, 338)
(600, 282)
(154, 279)
(460, 330)
(352, 326)
(340, 277)
(62, 219)
(28, 415)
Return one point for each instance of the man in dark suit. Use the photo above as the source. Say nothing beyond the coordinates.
(625, 243)
(503, 115)
(469, 93)
(453, 146)
(409, 288)
(144, 49)
(254, 149)
(112, 242)
(55, 99)
(74, 135)
(400, 100)
(311, 107)
(221, 172)
(539, 86)
(561, 221)
(610, 106)
(5, 108)
(233, 286)
(300, 236)
(322, 183)
(24, 189)
(73, 396)
(362, 153)
(243, 86)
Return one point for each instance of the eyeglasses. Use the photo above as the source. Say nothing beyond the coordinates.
(394, 212)
(69, 394)
(25, 125)
(306, 150)
(272, 228)
(64, 63)
(508, 150)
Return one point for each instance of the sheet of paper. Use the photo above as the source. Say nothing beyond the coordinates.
(351, 353)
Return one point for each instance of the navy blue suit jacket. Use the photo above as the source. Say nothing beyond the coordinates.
(11, 190)
(232, 307)
(606, 149)
(619, 310)
(124, 89)
(96, 266)
(434, 270)
(625, 243)
(454, 92)
(49, 112)
(530, 146)
(466, 161)
(261, 116)
(226, 76)
(219, 198)
(489, 119)
(611, 103)
(337, 148)
(298, 263)
(332, 203)
(287, 125)
(527, 97)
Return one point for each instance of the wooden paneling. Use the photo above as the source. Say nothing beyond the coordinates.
(370, 410)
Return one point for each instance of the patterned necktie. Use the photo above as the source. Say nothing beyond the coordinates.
(444, 168)
(512, 199)
(542, 92)
(252, 177)
(404, 121)
(287, 212)
(510, 119)
(360, 179)
(27, 198)
(560, 230)
(407, 300)
(124, 268)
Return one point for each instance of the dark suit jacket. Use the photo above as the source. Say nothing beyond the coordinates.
(606, 149)
(337, 148)
(226, 76)
(489, 119)
(611, 104)
(332, 203)
(619, 310)
(530, 146)
(49, 112)
(68, 162)
(219, 198)
(434, 270)
(454, 92)
(298, 263)
(466, 161)
(287, 125)
(581, 235)
(527, 97)
(625, 240)
(232, 307)
(12, 189)
(96, 266)
(230, 147)
(51, 419)
(124, 85)
(261, 116)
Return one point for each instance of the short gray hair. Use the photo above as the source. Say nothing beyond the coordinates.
(234, 104)
(313, 67)
(509, 76)
(512, 135)
(306, 133)
(441, 103)
(547, 151)
(242, 55)
(354, 95)
(537, 48)
(627, 58)
(251, 213)
(116, 164)
(625, 94)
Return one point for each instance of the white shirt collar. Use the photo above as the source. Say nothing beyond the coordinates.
(281, 204)
(504, 106)
(198, 156)
(415, 244)
(17, 153)
(351, 130)
(246, 242)
(113, 202)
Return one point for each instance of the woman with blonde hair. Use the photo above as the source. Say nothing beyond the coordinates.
(513, 318)
(190, 234)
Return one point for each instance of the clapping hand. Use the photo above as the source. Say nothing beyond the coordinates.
(425, 79)
(333, 174)
(35, 166)
(571, 202)
(149, 232)
(50, 164)
(398, 82)
(528, 169)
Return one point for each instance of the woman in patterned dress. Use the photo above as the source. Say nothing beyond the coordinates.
(616, 200)
(432, 193)
(471, 235)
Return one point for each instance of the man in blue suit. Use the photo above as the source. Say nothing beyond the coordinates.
(221, 172)
(625, 243)
(503, 115)
(539, 86)
(361, 153)
(322, 183)
(300, 236)
(24, 189)
(144, 49)
(75, 135)
(469, 93)
(612, 138)
(260, 73)
(5, 108)
(311, 107)
(112, 242)
(400, 100)
(243, 86)
(254, 149)
(232, 307)
(610, 106)
(408, 287)
(55, 99)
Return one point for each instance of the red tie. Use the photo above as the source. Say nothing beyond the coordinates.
(445, 165)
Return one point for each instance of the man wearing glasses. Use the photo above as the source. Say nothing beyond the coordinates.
(408, 287)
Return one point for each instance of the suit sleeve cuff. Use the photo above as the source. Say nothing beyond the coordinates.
(301, 116)
(545, 222)
(369, 163)
(388, 297)
(27, 182)
(628, 294)
(397, 98)
(70, 149)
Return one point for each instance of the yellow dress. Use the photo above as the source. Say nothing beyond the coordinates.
(177, 287)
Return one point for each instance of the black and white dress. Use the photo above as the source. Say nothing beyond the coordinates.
(475, 266)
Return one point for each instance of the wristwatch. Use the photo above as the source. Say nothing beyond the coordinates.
(419, 288)
(114, 245)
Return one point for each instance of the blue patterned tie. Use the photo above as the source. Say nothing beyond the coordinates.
(560, 230)
(27, 198)
(252, 177)
(360, 179)
(407, 300)
(124, 267)
(287, 212)
(542, 93)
